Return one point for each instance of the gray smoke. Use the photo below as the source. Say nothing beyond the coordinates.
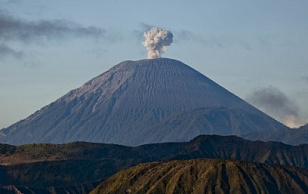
(156, 41)
(276, 104)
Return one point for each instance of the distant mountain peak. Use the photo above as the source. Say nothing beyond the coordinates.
(145, 101)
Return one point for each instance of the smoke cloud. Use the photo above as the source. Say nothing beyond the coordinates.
(276, 104)
(156, 41)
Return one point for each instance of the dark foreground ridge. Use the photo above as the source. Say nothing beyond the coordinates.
(206, 176)
(146, 101)
(84, 188)
(53, 165)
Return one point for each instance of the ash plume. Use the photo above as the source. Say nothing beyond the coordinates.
(156, 41)
(275, 103)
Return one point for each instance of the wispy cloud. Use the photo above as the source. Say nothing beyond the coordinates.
(27, 31)
(21, 31)
(304, 79)
(275, 103)
(7, 51)
(138, 33)
(187, 35)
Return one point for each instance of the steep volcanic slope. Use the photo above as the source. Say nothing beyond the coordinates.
(206, 176)
(209, 120)
(131, 103)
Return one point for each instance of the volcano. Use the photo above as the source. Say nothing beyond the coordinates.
(138, 102)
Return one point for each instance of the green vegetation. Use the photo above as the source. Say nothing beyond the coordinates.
(206, 176)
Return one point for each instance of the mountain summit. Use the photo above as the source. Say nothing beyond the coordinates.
(137, 102)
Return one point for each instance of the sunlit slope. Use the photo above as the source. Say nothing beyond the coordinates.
(206, 176)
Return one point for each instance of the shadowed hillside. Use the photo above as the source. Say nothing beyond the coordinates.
(206, 176)
(76, 189)
(289, 136)
(46, 165)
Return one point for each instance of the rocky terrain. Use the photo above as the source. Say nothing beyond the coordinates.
(206, 176)
(63, 165)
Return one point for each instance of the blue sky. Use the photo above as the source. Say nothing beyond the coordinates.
(255, 49)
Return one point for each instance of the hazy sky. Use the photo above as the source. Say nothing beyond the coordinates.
(255, 49)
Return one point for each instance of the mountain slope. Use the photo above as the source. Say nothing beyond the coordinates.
(304, 127)
(209, 120)
(78, 189)
(52, 165)
(138, 97)
(206, 176)
(289, 136)
(204, 146)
